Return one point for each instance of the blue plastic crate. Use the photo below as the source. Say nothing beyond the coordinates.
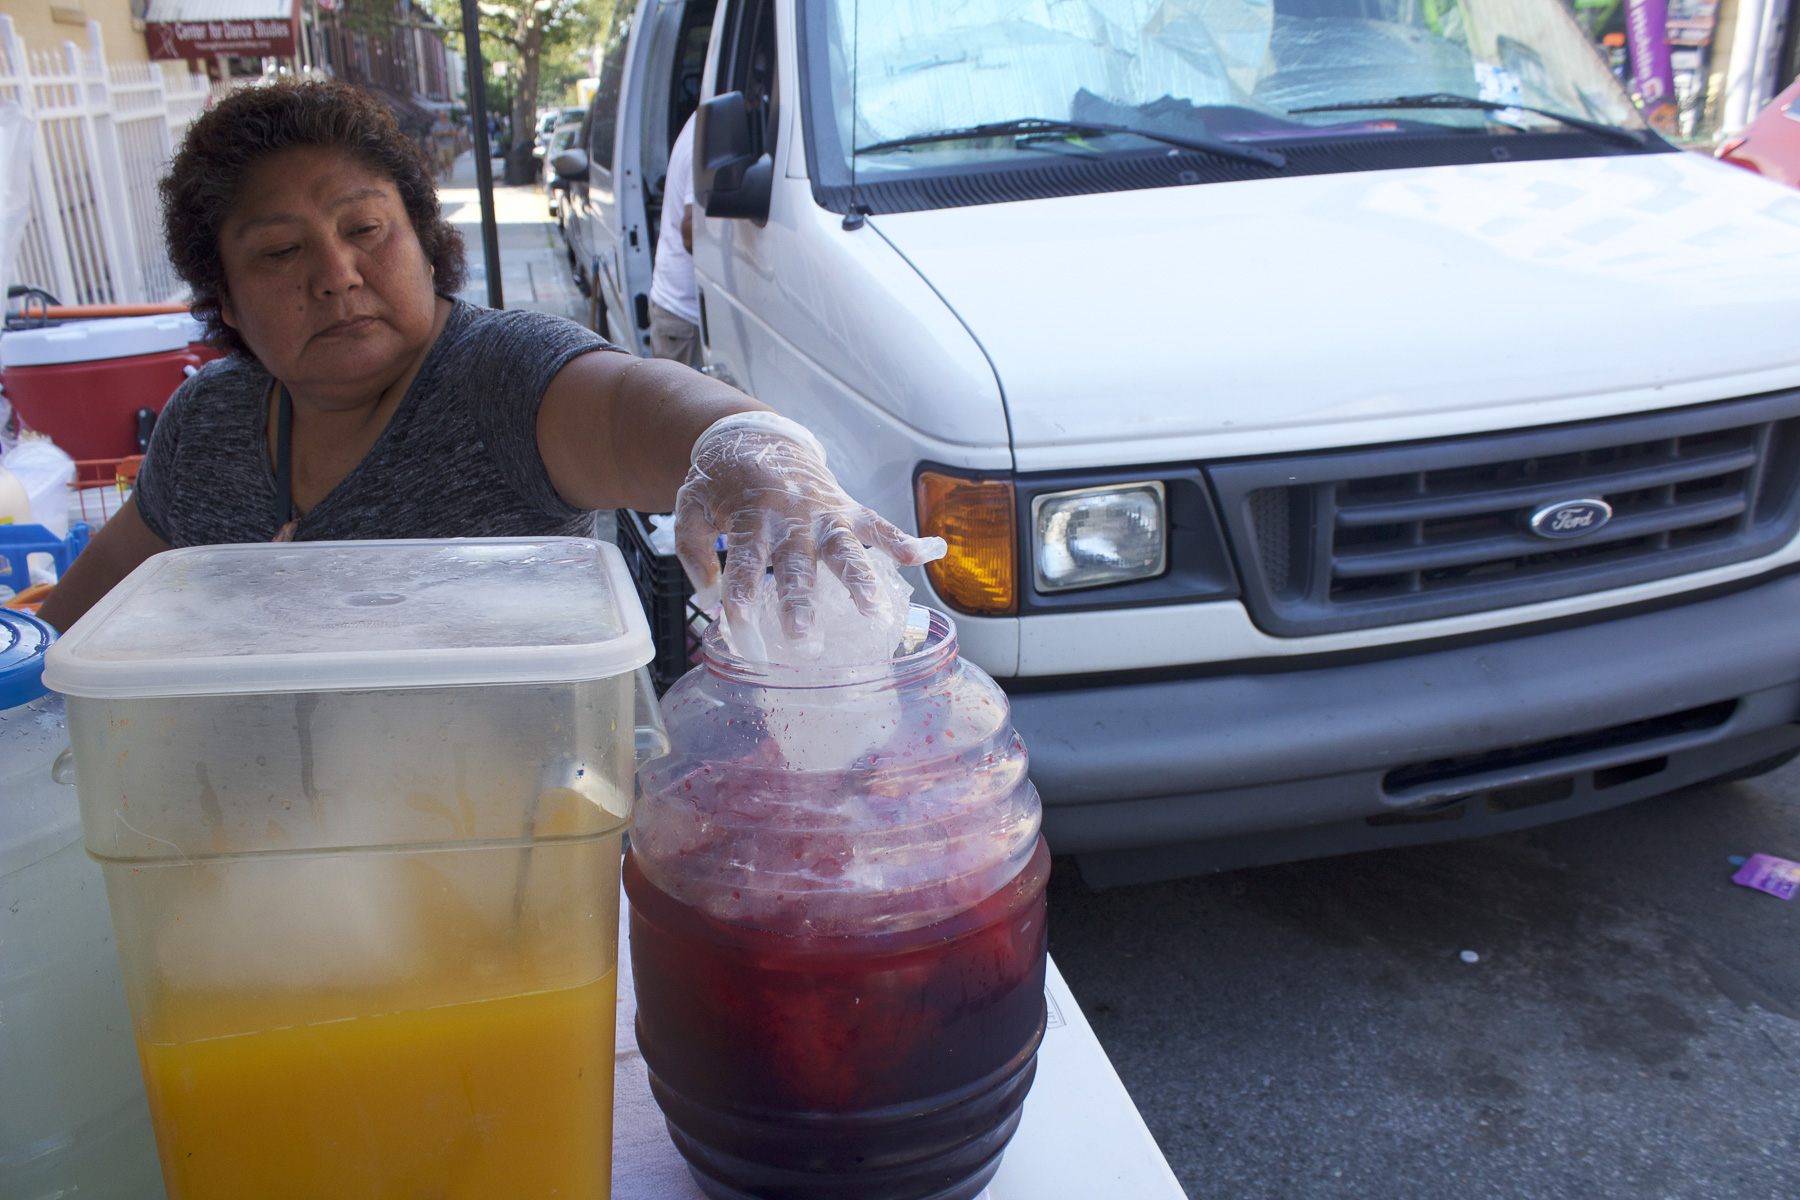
(18, 541)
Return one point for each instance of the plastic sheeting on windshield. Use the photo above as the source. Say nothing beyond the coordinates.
(1329, 59)
(927, 64)
(930, 65)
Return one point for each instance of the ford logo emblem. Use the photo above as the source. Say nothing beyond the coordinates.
(1570, 518)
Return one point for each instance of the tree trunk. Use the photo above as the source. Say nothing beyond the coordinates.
(520, 167)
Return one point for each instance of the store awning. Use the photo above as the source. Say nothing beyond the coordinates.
(203, 28)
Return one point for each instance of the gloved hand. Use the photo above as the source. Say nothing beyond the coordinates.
(761, 480)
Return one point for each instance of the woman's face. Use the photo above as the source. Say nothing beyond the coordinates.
(325, 279)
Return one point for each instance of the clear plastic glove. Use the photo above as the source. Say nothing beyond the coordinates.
(761, 481)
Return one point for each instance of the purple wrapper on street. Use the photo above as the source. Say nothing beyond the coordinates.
(1766, 873)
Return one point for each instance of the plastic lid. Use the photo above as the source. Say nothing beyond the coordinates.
(23, 640)
(91, 341)
(348, 616)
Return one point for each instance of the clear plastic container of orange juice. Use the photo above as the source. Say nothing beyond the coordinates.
(358, 807)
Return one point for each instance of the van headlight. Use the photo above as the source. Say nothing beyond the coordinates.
(1093, 536)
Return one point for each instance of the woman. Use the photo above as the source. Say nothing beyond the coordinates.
(361, 400)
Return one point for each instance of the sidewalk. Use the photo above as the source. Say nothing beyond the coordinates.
(534, 268)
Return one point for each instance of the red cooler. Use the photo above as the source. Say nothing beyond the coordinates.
(83, 382)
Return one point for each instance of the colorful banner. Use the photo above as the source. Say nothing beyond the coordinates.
(1646, 24)
(251, 38)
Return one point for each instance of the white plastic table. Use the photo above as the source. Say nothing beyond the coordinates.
(1081, 1138)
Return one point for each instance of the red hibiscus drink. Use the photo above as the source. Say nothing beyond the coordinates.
(837, 934)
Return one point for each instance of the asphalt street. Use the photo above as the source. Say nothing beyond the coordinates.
(1631, 1027)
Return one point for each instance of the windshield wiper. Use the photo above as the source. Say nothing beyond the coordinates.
(1633, 137)
(1205, 145)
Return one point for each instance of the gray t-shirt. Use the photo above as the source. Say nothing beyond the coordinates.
(459, 457)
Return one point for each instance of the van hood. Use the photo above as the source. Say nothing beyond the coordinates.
(1333, 310)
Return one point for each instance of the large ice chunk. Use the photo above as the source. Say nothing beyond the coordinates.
(841, 635)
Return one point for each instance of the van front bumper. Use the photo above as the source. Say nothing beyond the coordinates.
(1151, 780)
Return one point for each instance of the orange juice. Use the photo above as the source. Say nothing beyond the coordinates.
(510, 1097)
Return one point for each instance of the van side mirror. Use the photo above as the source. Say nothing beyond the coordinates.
(570, 164)
(729, 181)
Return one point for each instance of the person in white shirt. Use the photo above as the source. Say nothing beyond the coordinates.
(674, 303)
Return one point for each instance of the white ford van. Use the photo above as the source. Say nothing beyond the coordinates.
(1351, 425)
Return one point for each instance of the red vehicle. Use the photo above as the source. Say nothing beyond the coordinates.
(1770, 145)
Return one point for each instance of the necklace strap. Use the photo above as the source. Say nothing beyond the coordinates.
(284, 456)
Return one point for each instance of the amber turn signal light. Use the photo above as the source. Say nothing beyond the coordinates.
(976, 518)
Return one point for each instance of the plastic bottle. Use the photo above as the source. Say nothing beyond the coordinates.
(46, 472)
(15, 503)
(837, 927)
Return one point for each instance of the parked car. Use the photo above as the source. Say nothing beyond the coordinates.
(1770, 145)
(550, 119)
(556, 188)
(1351, 424)
(547, 125)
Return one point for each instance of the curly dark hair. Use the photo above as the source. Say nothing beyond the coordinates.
(207, 175)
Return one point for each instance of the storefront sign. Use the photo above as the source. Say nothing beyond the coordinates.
(1691, 22)
(252, 38)
(1646, 23)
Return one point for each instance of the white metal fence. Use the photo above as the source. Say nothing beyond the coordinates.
(105, 131)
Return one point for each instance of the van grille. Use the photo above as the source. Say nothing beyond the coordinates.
(1426, 777)
(1430, 529)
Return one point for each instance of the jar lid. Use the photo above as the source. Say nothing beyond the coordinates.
(23, 640)
(351, 616)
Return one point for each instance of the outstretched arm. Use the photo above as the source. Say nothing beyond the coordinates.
(616, 430)
(623, 432)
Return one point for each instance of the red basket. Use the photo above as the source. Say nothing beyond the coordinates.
(102, 486)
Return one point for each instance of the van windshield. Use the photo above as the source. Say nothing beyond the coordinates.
(926, 85)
